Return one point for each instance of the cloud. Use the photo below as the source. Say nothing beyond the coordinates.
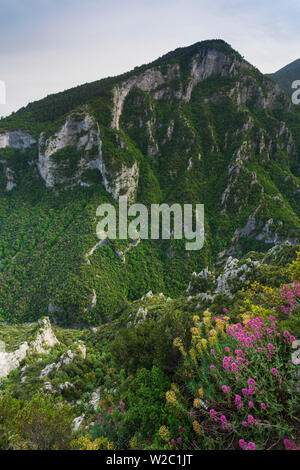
(51, 45)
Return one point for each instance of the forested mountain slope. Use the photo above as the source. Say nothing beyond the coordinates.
(198, 125)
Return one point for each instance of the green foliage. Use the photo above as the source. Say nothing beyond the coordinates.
(145, 399)
(238, 384)
(36, 424)
(150, 342)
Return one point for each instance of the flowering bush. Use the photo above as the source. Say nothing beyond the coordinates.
(242, 382)
(291, 297)
(109, 425)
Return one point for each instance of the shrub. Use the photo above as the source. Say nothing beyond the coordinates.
(239, 389)
(39, 424)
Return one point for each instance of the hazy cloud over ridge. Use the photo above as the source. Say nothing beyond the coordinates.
(51, 45)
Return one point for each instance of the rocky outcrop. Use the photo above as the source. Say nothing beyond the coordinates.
(9, 175)
(125, 182)
(16, 140)
(206, 285)
(149, 80)
(266, 231)
(10, 178)
(80, 132)
(208, 64)
(11, 361)
(236, 170)
(204, 65)
(42, 344)
(65, 359)
(45, 339)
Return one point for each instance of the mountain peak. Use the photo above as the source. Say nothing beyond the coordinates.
(199, 125)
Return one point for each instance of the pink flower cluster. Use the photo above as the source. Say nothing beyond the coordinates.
(289, 445)
(255, 330)
(288, 337)
(179, 440)
(243, 445)
(251, 421)
(220, 418)
(291, 295)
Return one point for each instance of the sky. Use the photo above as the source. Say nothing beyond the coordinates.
(48, 46)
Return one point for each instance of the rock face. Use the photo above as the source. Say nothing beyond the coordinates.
(11, 361)
(208, 64)
(65, 359)
(42, 344)
(149, 80)
(16, 140)
(207, 285)
(45, 339)
(10, 179)
(81, 133)
(125, 182)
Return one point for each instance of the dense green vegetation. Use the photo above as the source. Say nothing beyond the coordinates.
(161, 378)
(287, 75)
(186, 152)
(149, 355)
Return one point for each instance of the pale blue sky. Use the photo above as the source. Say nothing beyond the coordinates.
(51, 45)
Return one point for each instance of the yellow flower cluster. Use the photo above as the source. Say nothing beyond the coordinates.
(164, 433)
(133, 443)
(195, 332)
(213, 336)
(197, 428)
(171, 397)
(85, 443)
(197, 403)
(207, 320)
(177, 342)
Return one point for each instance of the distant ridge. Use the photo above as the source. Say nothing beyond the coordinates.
(287, 75)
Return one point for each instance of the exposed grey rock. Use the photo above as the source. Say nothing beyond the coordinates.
(44, 341)
(94, 402)
(65, 386)
(77, 422)
(79, 131)
(82, 132)
(65, 359)
(49, 368)
(82, 348)
(146, 81)
(10, 179)
(17, 140)
(11, 361)
(208, 64)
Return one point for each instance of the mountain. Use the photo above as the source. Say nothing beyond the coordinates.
(287, 75)
(198, 125)
(143, 345)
